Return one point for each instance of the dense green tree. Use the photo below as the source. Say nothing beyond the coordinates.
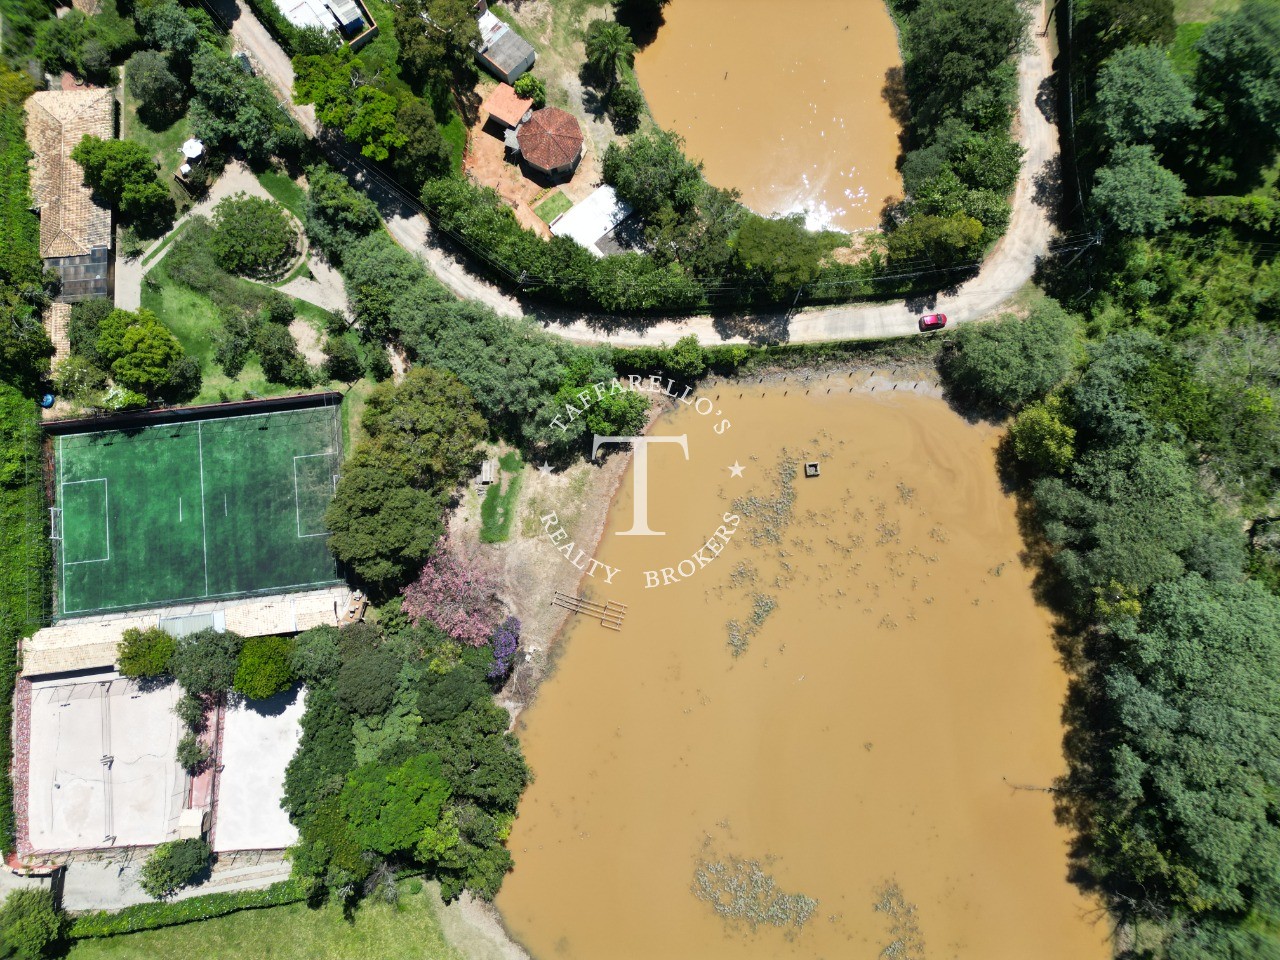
(173, 865)
(82, 329)
(387, 286)
(229, 107)
(124, 175)
(954, 47)
(84, 45)
(205, 661)
(1007, 363)
(324, 757)
(1195, 750)
(342, 359)
(365, 683)
(609, 51)
(145, 653)
(253, 236)
(192, 755)
(393, 809)
(1114, 24)
(382, 526)
(651, 172)
(1134, 193)
(430, 416)
(345, 100)
(779, 253)
(167, 25)
(424, 153)
(29, 924)
(940, 240)
(144, 356)
(626, 107)
(336, 215)
(439, 52)
(160, 95)
(1134, 515)
(1042, 440)
(1238, 83)
(265, 667)
(1141, 98)
(282, 361)
(316, 656)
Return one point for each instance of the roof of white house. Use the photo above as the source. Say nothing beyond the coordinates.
(308, 13)
(591, 219)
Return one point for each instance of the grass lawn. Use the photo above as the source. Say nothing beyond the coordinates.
(295, 932)
(284, 190)
(550, 208)
(1183, 49)
(498, 508)
(165, 145)
(193, 319)
(1200, 11)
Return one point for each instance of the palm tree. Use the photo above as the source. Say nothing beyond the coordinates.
(609, 46)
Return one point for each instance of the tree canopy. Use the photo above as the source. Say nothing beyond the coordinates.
(1135, 193)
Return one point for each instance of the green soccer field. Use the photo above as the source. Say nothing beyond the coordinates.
(202, 510)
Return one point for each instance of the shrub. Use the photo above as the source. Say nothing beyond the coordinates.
(342, 359)
(173, 865)
(29, 923)
(626, 108)
(315, 657)
(145, 653)
(1009, 362)
(190, 710)
(505, 642)
(252, 236)
(79, 378)
(278, 353)
(192, 754)
(366, 680)
(153, 916)
(123, 174)
(82, 330)
(265, 667)
(205, 661)
(533, 88)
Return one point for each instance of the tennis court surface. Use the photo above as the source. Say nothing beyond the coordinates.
(194, 510)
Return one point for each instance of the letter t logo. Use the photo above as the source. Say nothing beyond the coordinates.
(640, 479)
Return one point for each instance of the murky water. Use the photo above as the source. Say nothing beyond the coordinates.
(895, 685)
(784, 101)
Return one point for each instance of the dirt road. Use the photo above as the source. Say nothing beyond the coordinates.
(1008, 268)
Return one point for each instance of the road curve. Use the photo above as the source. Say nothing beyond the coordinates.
(1005, 271)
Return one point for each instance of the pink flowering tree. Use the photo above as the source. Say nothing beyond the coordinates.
(457, 593)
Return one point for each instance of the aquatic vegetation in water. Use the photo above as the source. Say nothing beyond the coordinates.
(906, 942)
(742, 893)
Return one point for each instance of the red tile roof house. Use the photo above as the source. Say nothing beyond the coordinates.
(506, 107)
(551, 142)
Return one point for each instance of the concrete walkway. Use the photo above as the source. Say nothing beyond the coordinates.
(1006, 271)
(112, 883)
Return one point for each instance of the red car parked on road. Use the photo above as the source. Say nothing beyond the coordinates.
(933, 321)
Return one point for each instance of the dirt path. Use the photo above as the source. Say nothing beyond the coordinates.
(1009, 267)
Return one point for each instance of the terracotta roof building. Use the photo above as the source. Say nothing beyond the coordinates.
(551, 141)
(75, 231)
(507, 107)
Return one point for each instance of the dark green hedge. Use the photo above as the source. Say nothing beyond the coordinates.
(280, 28)
(151, 916)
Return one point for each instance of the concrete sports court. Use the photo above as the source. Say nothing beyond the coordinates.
(185, 510)
(259, 738)
(102, 771)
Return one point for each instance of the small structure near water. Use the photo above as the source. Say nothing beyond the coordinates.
(506, 108)
(590, 222)
(812, 469)
(502, 51)
(551, 142)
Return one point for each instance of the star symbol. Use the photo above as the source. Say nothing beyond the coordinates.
(545, 469)
(736, 469)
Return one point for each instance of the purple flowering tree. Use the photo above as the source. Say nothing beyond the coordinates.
(456, 593)
(505, 642)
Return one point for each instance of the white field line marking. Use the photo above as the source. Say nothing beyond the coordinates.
(106, 518)
(224, 506)
(297, 506)
(179, 509)
(204, 538)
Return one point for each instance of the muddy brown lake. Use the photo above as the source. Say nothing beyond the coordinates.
(782, 101)
(817, 744)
